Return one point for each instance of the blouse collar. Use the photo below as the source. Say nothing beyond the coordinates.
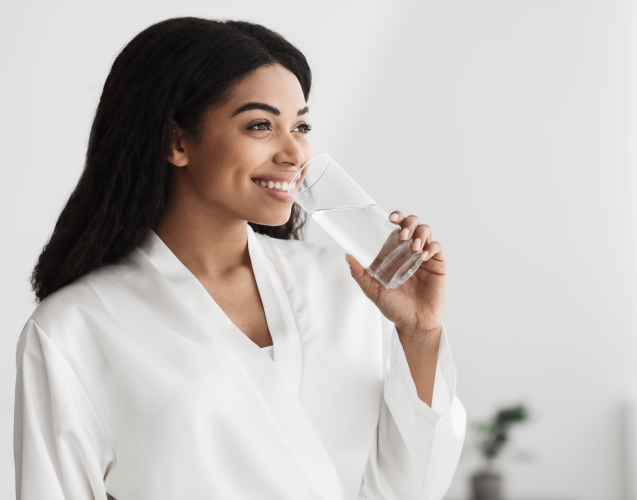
(278, 311)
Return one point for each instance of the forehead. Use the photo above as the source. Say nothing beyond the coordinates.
(274, 85)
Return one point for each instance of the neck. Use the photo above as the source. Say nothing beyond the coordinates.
(205, 239)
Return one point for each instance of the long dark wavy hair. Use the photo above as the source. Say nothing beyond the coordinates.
(174, 70)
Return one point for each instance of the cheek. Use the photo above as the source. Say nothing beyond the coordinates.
(227, 177)
(225, 164)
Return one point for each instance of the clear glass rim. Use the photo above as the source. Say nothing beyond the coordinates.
(299, 174)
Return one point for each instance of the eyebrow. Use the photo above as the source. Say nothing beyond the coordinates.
(266, 107)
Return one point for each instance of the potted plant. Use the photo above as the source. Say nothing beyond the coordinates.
(487, 483)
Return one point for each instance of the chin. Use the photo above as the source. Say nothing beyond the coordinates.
(272, 219)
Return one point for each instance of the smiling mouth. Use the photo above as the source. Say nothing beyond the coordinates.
(275, 186)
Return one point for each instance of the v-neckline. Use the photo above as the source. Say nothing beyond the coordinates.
(278, 311)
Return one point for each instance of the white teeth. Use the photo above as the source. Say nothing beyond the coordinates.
(277, 186)
(293, 186)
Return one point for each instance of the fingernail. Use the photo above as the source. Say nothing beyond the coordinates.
(416, 244)
(424, 255)
(404, 234)
(393, 217)
(348, 262)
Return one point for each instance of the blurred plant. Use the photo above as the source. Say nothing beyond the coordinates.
(495, 432)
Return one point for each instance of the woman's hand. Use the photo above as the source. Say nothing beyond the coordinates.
(416, 306)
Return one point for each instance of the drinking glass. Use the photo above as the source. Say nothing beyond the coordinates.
(354, 220)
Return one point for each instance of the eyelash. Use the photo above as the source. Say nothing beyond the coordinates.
(306, 127)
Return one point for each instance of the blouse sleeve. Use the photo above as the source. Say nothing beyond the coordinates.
(60, 447)
(416, 448)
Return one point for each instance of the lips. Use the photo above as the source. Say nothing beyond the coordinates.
(275, 176)
(277, 194)
(275, 183)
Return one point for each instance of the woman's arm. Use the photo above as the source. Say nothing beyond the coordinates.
(416, 447)
(416, 306)
(421, 352)
(61, 450)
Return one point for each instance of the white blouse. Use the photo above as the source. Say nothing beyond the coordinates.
(269, 351)
(133, 383)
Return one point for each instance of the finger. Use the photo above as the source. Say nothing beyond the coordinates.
(422, 236)
(358, 271)
(408, 225)
(396, 217)
(368, 284)
(432, 250)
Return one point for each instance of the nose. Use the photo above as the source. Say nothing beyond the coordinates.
(289, 152)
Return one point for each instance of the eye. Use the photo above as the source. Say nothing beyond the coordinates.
(303, 127)
(265, 125)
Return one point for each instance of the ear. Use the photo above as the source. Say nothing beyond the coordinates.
(178, 155)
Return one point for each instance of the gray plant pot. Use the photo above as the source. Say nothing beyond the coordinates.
(486, 485)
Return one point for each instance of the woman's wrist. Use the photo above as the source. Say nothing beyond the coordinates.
(423, 334)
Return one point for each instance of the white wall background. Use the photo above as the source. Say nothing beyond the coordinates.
(505, 125)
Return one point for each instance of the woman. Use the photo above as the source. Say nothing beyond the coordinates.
(187, 344)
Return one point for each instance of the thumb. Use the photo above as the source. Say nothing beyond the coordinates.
(361, 276)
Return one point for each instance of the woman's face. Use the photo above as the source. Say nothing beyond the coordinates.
(259, 135)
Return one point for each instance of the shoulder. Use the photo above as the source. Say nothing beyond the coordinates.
(70, 310)
(322, 292)
(314, 270)
(318, 253)
(310, 256)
